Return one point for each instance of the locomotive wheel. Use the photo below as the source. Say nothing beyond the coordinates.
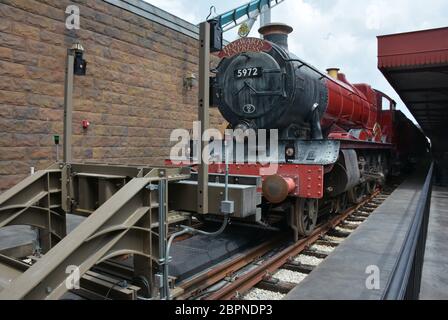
(356, 195)
(306, 211)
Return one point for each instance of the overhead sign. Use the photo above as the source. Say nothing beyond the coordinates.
(245, 45)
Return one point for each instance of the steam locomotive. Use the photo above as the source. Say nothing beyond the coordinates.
(337, 141)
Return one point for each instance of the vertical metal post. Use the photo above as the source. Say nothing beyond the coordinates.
(204, 105)
(265, 16)
(68, 106)
(226, 188)
(164, 290)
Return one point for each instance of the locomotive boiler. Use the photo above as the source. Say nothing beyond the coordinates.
(267, 87)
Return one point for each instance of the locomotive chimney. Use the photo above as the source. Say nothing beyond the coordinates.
(333, 72)
(276, 33)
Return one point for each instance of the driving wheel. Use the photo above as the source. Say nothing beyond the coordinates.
(306, 211)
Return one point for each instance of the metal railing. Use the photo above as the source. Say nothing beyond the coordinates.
(235, 17)
(404, 284)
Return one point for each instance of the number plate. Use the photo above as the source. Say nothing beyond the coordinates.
(254, 72)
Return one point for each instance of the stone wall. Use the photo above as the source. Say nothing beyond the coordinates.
(133, 94)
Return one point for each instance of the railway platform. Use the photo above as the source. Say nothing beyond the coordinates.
(435, 266)
(371, 262)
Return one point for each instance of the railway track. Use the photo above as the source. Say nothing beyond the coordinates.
(273, 269)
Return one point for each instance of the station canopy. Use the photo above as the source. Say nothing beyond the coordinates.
(416, 65)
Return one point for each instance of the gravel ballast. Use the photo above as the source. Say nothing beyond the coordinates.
(259, 294)
(320, 248)
(308, 260)
(333, 239)
(353, 223)
(339, 229)
(290, 276)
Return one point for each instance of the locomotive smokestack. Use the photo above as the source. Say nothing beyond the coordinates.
(276, 33)
(333, 72)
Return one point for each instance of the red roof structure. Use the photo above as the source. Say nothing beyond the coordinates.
(413, 48)
(416, 65)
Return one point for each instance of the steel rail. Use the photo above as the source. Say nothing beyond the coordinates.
(217, 273)
(252, 278)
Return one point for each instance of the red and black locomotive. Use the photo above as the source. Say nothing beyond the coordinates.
(337, 141)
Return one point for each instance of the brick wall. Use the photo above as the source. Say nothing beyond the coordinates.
(133, 94)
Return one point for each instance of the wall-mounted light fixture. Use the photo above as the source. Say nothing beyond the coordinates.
(190, 81)
(80, 63)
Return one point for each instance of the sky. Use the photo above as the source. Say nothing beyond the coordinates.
(334, 33)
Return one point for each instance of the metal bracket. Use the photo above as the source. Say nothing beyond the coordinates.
(152, 187)
(227, 207)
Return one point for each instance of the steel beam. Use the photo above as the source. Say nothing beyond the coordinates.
(18, 251)
(68, 106)
(126, 224)
(204, 115)
(10, 269)
(36, 201)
